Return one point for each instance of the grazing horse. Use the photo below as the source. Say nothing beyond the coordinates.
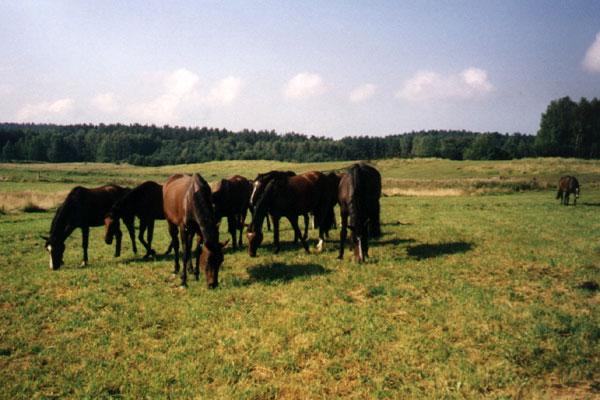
(145, 202)
(81, 209)
(289, 196)
(231, 199)
(189, 210)
(258, 186)
(567, 185)
(358, 195)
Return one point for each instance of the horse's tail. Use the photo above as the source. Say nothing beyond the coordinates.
(356, 198)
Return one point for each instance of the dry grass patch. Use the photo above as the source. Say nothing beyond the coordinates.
(30, 200)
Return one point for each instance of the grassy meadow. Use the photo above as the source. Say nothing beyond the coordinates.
(482, 286)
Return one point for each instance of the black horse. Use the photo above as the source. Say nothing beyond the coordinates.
(258, 186)
(231, 199)
(82, 209)
(290, 196)
(359, 191)
(145, 202)
(567, 185)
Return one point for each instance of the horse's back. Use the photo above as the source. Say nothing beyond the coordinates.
(174, 191)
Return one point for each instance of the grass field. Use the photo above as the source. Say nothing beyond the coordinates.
(481, 287)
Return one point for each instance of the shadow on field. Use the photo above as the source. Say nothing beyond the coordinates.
(284, 272)
(591, 204)
(423, 251)
(394, 242)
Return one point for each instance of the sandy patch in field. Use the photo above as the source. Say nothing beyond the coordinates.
(424, 192)
(17, 200)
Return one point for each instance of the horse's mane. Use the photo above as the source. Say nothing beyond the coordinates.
(262, 205)
(267, 176)
(59, 221)
(203, 208)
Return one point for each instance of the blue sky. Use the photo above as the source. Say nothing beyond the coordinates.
(324, 68)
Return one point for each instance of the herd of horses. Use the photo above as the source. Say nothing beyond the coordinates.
(193, 209)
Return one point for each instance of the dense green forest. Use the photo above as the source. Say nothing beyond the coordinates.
(567, 129)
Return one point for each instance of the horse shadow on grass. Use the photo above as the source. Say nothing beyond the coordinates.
(393, 242)
(281, 272)
(590, 204)
(424, 251)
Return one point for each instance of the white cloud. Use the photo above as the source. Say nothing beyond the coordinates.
(304, 85)
(46, 111)
(430, 86)
(592, 57)
(362, 93)
(183, 93)
(225, 91)
(105, 102)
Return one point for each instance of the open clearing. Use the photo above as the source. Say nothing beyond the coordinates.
(480, 287)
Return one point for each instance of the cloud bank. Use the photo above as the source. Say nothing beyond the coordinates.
(591, 62)
(46, 111)
(304, 85)
(427, 86)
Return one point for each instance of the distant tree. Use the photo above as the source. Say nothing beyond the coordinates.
(557, 135)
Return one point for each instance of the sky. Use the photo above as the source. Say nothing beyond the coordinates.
(326, 68)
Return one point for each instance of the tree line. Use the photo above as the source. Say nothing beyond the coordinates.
(567, 129)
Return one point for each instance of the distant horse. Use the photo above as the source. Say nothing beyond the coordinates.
(145, 202)
(189, 210)
(258, 186)
(289, 196)
(358, 196)
(81, 209)
(231, 199)
(567, 185)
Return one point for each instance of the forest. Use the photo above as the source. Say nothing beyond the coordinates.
(567, 129)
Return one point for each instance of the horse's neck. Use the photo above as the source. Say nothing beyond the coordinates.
(261, 210)
(62, 226)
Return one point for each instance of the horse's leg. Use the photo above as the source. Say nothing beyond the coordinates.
(118, 238)
(268, 222)
(343, 233)
(374, 221)
(143, 229)
(242, 220)
(173, 231)
(294, 222)
(276, 234)
(85, 236)
(184, 234)
(566, 198)
(130, 224)
(232, 227)
(306, 222)
(150, 236)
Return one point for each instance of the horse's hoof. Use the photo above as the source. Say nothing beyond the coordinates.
(83, 264)
(182, 286)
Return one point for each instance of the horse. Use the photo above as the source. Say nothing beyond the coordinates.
(289, 196)
(258, 186)
(82, 209)
(189, 210)
(567, 185)
(358, 195)
(145, 202)
(231, 199)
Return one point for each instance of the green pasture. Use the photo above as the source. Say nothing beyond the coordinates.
(480, 295)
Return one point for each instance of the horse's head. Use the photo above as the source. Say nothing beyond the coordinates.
(211, 259)
(256, 189)
(112, 228)
(254, 240)
(55, 249)
(577, 192)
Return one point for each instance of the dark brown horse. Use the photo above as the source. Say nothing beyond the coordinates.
(231, 199)
(567, 185)
(258, 186)
(358, 195)
(145, 202)
(82, 209)
(189, 210)
(289, 196)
